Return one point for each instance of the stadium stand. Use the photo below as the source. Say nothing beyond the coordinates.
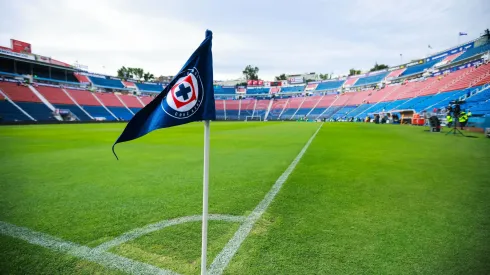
(82, 78)
(306, 106)
(277, 108)
(149, 87)
(259, 90)
(60, 100)
(293, 105)
(247, 108)
(10, 113)
(106, 82)
(232, 109)
(88, 102)
(114, 105)
(220, 109)
(146, 99)
(224, 90)
(261, 108)
(372, 79)
(27, 100)
(131, 102)
(395, 73)
(330, 85)
(416, 69)
(351, 81)
(473, 51)
(292, 89)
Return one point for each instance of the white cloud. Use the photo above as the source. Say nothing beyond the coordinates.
(159, 36)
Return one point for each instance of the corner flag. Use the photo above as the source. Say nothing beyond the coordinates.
(188, 97)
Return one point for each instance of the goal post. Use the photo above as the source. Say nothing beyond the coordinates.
(253, 118)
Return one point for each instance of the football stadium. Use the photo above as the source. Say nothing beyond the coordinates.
(380, 171)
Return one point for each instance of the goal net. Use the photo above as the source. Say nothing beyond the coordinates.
(253, 118)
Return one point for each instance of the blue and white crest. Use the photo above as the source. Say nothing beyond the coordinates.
(185, 97)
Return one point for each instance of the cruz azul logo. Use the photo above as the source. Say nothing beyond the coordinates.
(185, 97)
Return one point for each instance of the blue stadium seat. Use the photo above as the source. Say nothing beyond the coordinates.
(288, 113)
(256, 91)
(420, 68)
(120, 112)
(149, 87)
(360, 110)
(220, 114)
(371, 79)
(231, 114)
(344, 111)
(98, 111)
(473, 51)
(135, 110)
(292, 89)
(316, 112)
(75, 110)
(37, 110)
(105, 82)
(220, 90)
(329, 85)
(8, 112)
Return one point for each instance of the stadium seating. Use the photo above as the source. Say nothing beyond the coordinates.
(308, 104)
(277, 108)
(82, 78)
(395, 73)
(88, 102)
(330, 85)
(473, 51)
(259, 90)
(98, 112)
(292, 106)
(61, 101)
(292, 89)
(247, 107)
(232, 109)
(351, 81)
(224, 90)
(220, 111)
(146, 99)
(131, 101)
(114, 105)
(420, 68)
(27, 100)
(370, 79)
(9, 113)
(106, 82)
(149, 87)
(261, 108)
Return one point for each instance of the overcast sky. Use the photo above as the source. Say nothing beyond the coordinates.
(277, 36)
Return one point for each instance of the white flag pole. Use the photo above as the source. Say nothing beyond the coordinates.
(205, 187)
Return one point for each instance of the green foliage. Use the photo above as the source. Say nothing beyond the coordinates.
(354, 72)
(378, 67)
(325, 76)
(134, 73)
(251, 73)
(281, 77)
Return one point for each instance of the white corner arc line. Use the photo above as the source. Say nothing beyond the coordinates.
(138, 232)
(224, 257)
(103, 258)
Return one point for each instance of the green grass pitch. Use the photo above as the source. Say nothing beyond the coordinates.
(364, 199)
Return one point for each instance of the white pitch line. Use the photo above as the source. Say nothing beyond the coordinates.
(224, 257)
(103, 258)
(138, 232)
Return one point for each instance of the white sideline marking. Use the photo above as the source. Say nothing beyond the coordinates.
(97, 256)
(138, 232)
(224, 257)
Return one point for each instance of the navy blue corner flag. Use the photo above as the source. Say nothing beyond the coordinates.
(188, 97)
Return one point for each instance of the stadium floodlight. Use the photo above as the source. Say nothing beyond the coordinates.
(253, 118)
